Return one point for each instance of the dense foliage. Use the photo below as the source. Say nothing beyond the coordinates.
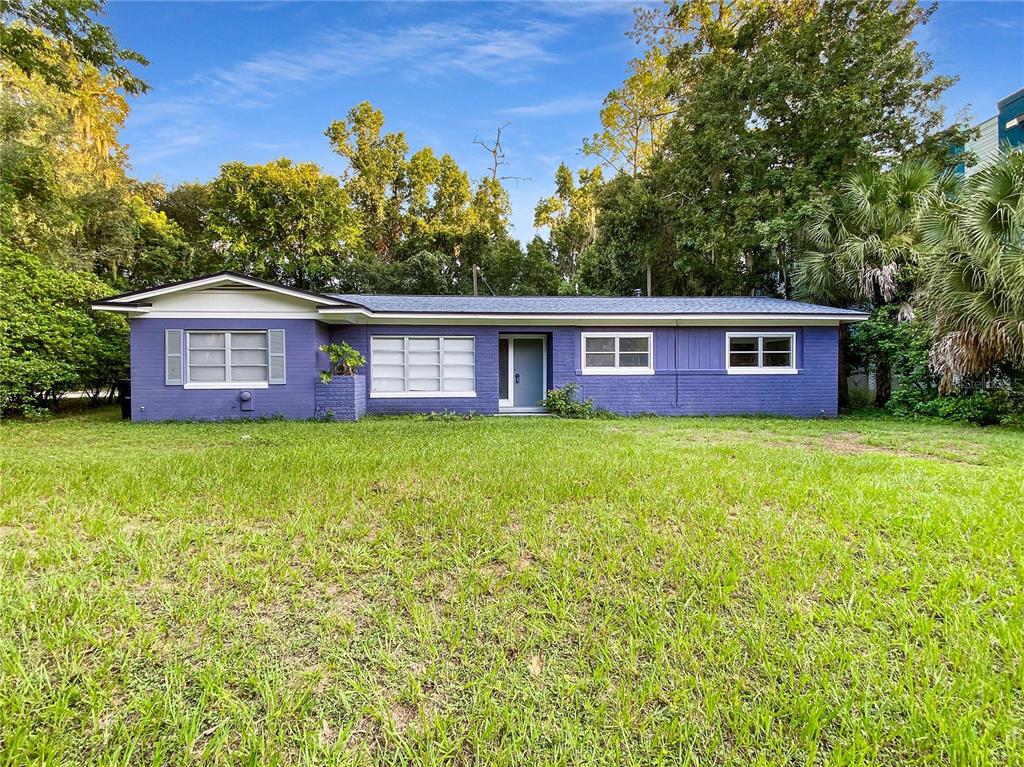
(974, 281)
(940, 261)
(50, 343)
(773, 103)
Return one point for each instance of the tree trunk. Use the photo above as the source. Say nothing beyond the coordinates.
(844, 374)
(883, 382)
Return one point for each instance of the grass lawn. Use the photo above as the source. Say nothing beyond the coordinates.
(511, 591)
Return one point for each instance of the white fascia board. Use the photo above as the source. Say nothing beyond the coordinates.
(235, 315)
(131, 311)
(409, 318)
(225, 279)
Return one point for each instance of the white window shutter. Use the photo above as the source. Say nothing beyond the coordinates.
(173, 368)
(275, 344)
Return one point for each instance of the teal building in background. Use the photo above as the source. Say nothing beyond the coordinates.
(1005, 128)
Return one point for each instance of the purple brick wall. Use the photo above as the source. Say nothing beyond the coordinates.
(152, 400)
(689, 379)
(343, 398)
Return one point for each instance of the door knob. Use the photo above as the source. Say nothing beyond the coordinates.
(517, 377)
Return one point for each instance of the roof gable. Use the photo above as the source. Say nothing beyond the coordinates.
(219, 280)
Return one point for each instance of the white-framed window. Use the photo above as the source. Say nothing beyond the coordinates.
(221, 359)
(422, 366)
(617, 353)
(759, 353)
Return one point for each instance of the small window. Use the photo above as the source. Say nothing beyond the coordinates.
(227, 358)
(618, 353)
(422, 366)
(760, 352)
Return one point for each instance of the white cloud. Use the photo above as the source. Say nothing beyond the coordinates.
(416, 51)
(510, 53)
(570, 105)
(1006, 25)
(586, 8)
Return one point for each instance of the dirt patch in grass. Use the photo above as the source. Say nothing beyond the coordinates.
(402, 715)
(850, 443)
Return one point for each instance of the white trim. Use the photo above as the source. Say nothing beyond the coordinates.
(225, 279)
(421, 394)
(222, 315)
(508, 404)
(760, 369)
(617, 370)
(228, 385)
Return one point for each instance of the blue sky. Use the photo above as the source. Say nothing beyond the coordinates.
(254, 81)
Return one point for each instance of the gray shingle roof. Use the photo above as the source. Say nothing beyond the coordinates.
(726, 305)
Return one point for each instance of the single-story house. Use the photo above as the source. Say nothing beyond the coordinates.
(230, 346)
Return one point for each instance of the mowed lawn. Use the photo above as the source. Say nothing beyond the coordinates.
(511, 592)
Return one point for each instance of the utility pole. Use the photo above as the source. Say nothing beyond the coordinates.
(476, 270)
(648, 279)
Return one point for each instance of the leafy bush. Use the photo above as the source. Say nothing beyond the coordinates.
(566, 403)
(997, 398)
(345, 361)
(892, 349)
(50, 341)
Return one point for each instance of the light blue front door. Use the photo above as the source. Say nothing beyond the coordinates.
(527, 372)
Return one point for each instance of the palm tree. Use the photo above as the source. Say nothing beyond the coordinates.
(865, 249)
(974, 279)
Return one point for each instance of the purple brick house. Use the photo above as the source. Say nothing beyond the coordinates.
(229, 346)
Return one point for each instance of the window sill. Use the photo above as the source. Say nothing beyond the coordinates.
(421, 394)
(617, 372)
(228, 385)
(762, 371)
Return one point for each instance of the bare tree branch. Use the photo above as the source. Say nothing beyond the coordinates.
(497, 153)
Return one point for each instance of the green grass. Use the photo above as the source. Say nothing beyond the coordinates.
(511, 591)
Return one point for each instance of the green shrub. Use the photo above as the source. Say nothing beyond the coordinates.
(51, 342)
(566, 403)
(345, 361)
(995, 398)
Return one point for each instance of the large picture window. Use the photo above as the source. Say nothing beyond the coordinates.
(224, 358)
(760, 352)
(422, 366)
(618, 353)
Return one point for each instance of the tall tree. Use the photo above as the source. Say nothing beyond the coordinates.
(63, 172)
(866, 249)
(634, 117)
(40, 36)
(974, 286)
(419, 207)
(281, 221)
(377, 176)
(777, 100)
(571, 216)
